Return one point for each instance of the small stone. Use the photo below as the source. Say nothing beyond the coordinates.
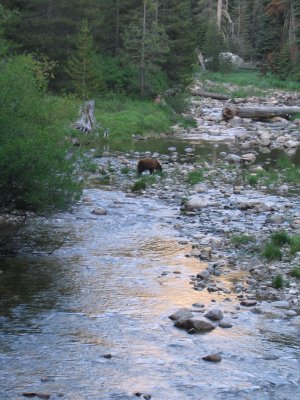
(99, 211)
(107, 356)
(248, 303)
(212, 358)
(225, 325)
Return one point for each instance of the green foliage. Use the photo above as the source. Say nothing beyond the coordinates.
(243, 78)
(212, 48)
(125, 116)
(295, 244)
(125, 170)
(241, 239)
(272, 252)
(143, 183)
(278, 282)
(36, 171)
(295, 272)
(195, 177)
(280, 238)
(85, 74)
(290, 171)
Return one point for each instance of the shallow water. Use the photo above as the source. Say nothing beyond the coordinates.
(87, 286)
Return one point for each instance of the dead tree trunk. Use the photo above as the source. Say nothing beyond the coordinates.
(259, 112)
(217, 96)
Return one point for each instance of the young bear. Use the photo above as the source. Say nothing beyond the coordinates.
(148, 164)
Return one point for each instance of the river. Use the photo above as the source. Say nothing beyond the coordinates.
(85, 306)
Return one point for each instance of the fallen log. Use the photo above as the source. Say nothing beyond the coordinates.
(259, 112)
(217, 96)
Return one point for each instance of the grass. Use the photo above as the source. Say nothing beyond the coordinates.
(126, 116)
(195, 177)
(242, 78)
(280, 238)
(241, 239)
(295, 272)
(143, 183)
(278, 282)
(295, 244)
(271, 252)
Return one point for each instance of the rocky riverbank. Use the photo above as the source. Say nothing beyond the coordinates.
(231, 208)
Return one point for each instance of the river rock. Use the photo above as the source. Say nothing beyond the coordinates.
(212, 358)
(248, 158)
(214, 314)
(99, 211)
(225, 325)
(182, 313)
(248, 303)
(194, 325)
(195, 203)
(280, 304)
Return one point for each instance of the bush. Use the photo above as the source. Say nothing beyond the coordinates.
(277, 282)
(295, 272)
(272, 252)
(36, 171)
(195, 177)
(280, 238)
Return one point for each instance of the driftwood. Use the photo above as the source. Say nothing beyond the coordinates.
(217, 96)
(259, 112)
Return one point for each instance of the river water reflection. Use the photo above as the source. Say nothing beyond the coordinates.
(84, 315)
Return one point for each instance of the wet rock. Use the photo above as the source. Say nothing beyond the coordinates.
(225, 325)
(214, 315)
(42, 396)
(108, 356)
(248, 158)
(248, 303)
(280, 304)
(195, 203)
(233, 158)
(205, 274)
(212, 358)
(275, 219)
(196, 325)
(182, 313)
(99, 211)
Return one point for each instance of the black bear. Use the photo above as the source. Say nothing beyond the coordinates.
(148, 164)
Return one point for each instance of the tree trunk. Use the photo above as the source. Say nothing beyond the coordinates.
(219, 14)
(201, 59)
(259, 112)
(218, 96)
(143, 51)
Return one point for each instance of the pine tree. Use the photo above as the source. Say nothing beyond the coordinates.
(145, 44)
(86, 77)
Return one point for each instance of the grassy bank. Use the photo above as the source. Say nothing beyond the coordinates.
(251, 78)
(126, 116)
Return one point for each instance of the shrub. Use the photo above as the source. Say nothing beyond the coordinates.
(195, 177)
(280, 238)
(277, 282)
(295, 272)
(242, 239)
(295, 244)
(139, 185)
(37, 171)
(272, 252)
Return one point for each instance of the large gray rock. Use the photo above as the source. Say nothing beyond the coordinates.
(182, 313)
(214, 314)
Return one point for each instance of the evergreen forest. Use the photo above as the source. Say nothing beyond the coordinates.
(54, 52)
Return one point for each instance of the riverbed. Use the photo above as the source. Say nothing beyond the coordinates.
(86, 301)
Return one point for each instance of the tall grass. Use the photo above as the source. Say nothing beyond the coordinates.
(253, 78)
(127, 116)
